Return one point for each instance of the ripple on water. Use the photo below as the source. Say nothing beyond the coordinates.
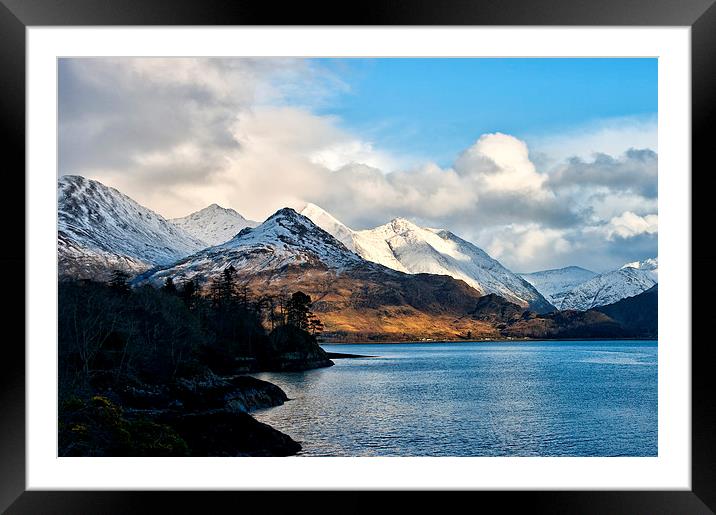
(475, 399)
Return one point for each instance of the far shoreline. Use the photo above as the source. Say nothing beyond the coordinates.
(521, 340)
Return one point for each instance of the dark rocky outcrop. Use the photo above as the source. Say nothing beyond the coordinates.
(292, 349)
(240, 394)
(201, 416)
(227, 433)
(101, 426)
(343, 355)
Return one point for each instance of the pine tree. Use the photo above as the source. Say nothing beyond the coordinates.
(188, 291)
(299, 311)
(169, 286)
(119, 281)
(226, 286)
(315, 326)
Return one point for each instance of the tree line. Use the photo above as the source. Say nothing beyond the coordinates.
(112, 331)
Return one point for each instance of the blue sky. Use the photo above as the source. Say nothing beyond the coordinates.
(543, 163)
(437, 107)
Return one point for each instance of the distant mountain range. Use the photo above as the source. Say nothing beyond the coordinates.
(557, 283)
(396, 281)
(214, 224)
(580, 289)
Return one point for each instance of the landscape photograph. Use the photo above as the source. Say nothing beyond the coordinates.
(357, 257)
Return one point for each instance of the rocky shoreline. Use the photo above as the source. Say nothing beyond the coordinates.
(207, 416)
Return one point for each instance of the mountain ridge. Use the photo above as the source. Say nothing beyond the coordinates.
(607, 288)
(404, 246)
(578, 288)
(555, 283)
(100, 228)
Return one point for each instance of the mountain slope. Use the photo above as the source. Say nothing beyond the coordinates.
(555, 284)
(651, 265)
(406, 247)
(214, 224)
(608, 288)
(330, 224)
(638, 313)
(615, 321)
(100, 229)
(355, 299)
(285, 239)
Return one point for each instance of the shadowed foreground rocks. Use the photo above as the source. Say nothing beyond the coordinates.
(207, 416)
(226, 433)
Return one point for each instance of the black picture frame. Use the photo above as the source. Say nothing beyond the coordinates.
(16, 15)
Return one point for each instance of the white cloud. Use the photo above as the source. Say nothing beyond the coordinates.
(612, 136)
(178, 135)
(629, 225)
(501, 163)
(527, 247)
(634, 171)
(606, 204)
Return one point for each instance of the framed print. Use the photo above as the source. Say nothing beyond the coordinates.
(416, 249)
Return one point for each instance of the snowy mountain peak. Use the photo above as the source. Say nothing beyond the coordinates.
(216, 208)
(556, 283)
(406, 247)
(608, 288)
(574, 287)
(285, 239)
(650, 265)
(213, 224)
(283, 221)
(285, 213)
(100, 229)
(647, 264)
(329, 223)
(576, 269)
(314, 210)
(400, 224)
(398, 229)
(289, 218)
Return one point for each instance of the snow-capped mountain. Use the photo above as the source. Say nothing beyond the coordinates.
(608, 288)
(406, 247)
(289, 253)
(555, 284)
(100, 229)
(328, 223)
(214, 224)
(651, 265)
(285, 239)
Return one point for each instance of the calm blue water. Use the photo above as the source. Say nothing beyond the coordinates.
(475, 399)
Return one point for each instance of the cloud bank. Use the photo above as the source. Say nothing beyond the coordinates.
(180, 134)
